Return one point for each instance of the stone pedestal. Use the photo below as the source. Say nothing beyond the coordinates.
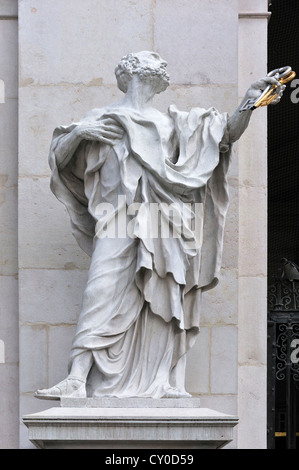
(130, 424)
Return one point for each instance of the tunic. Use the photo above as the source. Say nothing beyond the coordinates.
(150, 211)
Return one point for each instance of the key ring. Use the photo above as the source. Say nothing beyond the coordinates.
(283, 75)
(282, 72)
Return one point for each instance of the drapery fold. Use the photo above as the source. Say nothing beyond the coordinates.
(136, 280)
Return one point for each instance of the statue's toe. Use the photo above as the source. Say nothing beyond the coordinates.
(70, 387)
(174, 392)
(53, 393)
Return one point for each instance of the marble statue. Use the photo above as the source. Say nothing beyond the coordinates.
(141, 306)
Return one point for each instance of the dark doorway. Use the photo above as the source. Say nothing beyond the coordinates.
(283, 198)
(283, 138)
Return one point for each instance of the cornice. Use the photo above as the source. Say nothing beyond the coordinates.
(255, 15)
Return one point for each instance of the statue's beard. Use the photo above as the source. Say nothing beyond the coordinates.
(158, 76)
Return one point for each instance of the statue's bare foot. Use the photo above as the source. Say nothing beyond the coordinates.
(69, 387)
(176, 393)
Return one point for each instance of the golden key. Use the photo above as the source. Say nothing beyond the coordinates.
(282, 75)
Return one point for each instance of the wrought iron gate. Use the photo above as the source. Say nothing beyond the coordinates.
(283, 358)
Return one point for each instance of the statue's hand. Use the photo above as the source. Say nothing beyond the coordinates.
(259, 86)
(105, 130)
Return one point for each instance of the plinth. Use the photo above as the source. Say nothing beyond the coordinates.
(134, 423)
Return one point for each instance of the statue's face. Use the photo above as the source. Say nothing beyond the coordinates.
(153, 62)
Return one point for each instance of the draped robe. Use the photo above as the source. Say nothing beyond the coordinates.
(141, 306)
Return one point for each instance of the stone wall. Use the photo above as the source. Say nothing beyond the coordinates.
(252, 366)
(67, 59)
(67, 53)
(9, 357)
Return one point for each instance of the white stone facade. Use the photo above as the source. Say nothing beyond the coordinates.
(67, 53)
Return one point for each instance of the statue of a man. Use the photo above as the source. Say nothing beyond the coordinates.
(141, 306)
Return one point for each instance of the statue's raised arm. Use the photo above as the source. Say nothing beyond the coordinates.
(239, 120)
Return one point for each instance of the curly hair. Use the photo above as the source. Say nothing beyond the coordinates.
(129, 65)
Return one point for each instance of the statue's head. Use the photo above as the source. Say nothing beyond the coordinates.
(148, 66)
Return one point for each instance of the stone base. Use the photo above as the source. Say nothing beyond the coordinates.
(130, 424)
(110, 402)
